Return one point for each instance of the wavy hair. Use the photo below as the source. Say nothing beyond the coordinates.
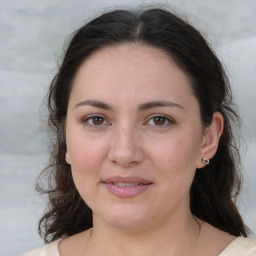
(216, 187)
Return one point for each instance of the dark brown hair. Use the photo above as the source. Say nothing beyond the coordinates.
(214, 188)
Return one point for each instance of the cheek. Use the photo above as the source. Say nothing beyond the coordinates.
(86, 162)
(175, 151)
(176, 160)
(87, 154)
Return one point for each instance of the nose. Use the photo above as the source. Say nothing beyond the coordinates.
(125, 149)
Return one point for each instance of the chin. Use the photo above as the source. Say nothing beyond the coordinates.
(127, 217)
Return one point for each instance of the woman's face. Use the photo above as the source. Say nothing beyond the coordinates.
(134, 135)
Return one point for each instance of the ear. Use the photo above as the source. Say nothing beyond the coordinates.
(68, 159)
(211, 139)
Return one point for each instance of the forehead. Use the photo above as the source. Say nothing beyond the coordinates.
(133, 70)
(132, 57)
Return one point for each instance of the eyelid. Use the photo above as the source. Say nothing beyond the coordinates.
(166, 117)
(88, 117)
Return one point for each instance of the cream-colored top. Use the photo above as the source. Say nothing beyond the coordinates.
(240, 246)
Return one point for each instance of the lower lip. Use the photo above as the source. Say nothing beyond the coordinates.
(126, 192)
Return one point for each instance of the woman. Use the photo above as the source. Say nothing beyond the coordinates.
(143, 158)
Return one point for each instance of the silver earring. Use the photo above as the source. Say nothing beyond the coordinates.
(205, 160)
(67, 156)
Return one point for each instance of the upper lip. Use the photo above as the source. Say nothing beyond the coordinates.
(131, 179)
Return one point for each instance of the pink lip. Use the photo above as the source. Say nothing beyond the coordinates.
(126, 192)
(131, 179)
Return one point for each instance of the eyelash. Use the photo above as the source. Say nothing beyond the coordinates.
(91, 117)
(160, 116)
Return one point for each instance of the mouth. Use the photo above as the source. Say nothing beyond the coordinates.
(126, 187)
(121, 184)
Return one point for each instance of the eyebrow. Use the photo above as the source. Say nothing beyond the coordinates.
(161, 103)
(94, 103)
(142, 107)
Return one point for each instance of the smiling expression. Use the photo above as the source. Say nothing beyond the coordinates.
(134, 135)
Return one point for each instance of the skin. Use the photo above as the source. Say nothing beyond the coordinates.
(162, 144)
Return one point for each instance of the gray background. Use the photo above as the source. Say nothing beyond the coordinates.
(32, 35)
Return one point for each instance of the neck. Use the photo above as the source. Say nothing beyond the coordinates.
(177, 236)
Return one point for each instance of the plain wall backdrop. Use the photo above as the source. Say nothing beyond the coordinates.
(32, 36)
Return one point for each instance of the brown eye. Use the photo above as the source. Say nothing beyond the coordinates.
(95, 121)
(159, 120)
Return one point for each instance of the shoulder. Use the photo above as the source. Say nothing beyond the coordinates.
(240, 246)
(50, 249)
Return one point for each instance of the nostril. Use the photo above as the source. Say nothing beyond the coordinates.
(125, 148)
(125, 156)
